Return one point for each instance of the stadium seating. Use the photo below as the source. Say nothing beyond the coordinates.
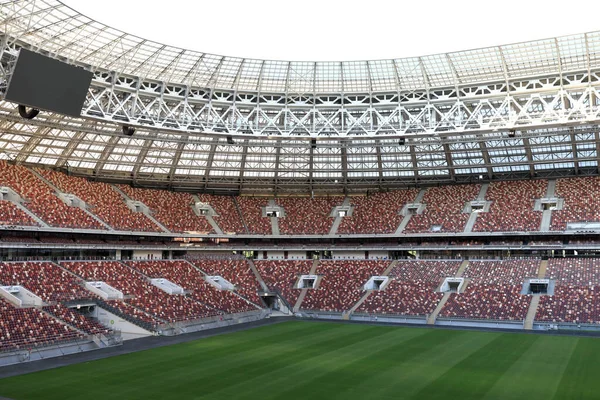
(172, 209)
(281, 275)
(304, 215)
(235, 271)
(494, 302)
(493, 291)
(411, 290)
(512, 207)
(581, 201)
(182, 273)
(341, 285)
(251, 209)
(146, 297)
(45, 279)
(571, 304)
(10, 214)
(107, 203)
(444, 206)
(574, 271)
(41, 200)
(228, 217)
(77, 320)
(29, 328)
(377, 212)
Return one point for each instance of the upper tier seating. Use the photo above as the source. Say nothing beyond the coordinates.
(185, 275)
(512, 207)
(45, 279)
(146, 297)
(411, 290)
(251, 209)
(377, 212)
(444, 206)
(506, 271)
(341, 285)
(237, 272)
(10, 214)
(228, 217)
(281, 275)
(28, 328)
(172, 209)
(107, 203)
(304, 215)
(42, 201)
(581, 201)
(77, 320)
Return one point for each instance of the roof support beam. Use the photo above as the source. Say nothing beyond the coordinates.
(142, 156)
(574, 149)
(209, 162)
(32, 143)
(69, 149)
(176, 159)
(108, 149)
(449, 161)
(243, 162)
(486, 158)
(527, 145)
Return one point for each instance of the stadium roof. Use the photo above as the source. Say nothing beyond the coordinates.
(223, 123)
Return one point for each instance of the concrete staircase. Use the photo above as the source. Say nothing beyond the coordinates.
(147, 214)
(390, 267)
(431, 318)
(31, 214)
(535, 301)
(473, 217)
(547, 214)
(313, 271)
(239, 211)
(259, 278)
(338, 220)
(462, 268)
(407, 218)
(209, 218)
(543, 268)
(359, 303)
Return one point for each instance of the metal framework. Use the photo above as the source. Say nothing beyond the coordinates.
(515, 111)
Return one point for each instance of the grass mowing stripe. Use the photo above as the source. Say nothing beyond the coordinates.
(333, 371)
(581, 376)
(124, 371)
(475, 375)
(342, 380)
(407, 374)
(537, 373)
(283, 370)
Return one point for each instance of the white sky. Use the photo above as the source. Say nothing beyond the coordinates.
(335, 30)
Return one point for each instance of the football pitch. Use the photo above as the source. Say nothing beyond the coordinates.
(321, 360)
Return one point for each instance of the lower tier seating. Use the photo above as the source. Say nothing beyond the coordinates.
(281, 275)
(77, 320)
(482, 301)
(400, 297)
(237, 272)
(571, 304)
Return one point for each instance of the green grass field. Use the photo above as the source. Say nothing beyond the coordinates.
(300, 360)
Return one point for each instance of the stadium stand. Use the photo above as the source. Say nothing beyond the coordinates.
(304, 215)
(512, 207)
(444, 206)
(228, 217)
(377, 212)
(146, 297)
(27, 328)
(107, 203)
(172, 209)
(182, 273)
(411, 290)
(281, 275)
(581, 201)
(235, 271)
(341, 284)
(251, 210)
(46, 280)
(10, 214)
(77, 320)
(493, 291)
(41, 200)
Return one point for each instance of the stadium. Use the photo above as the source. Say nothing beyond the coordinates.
(178, 224)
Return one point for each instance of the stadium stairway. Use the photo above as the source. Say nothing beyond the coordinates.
(533, 306)
(338, 220)
(211, 221)
(407, 217)
(473, 217)
(431, 318)
(542, 269)
(148, 213)
(274, 220)
(240, 214)
(387, 271)
(259, 278)
(85, 209)
(462, 268)
(37, 219)
(313, 270)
